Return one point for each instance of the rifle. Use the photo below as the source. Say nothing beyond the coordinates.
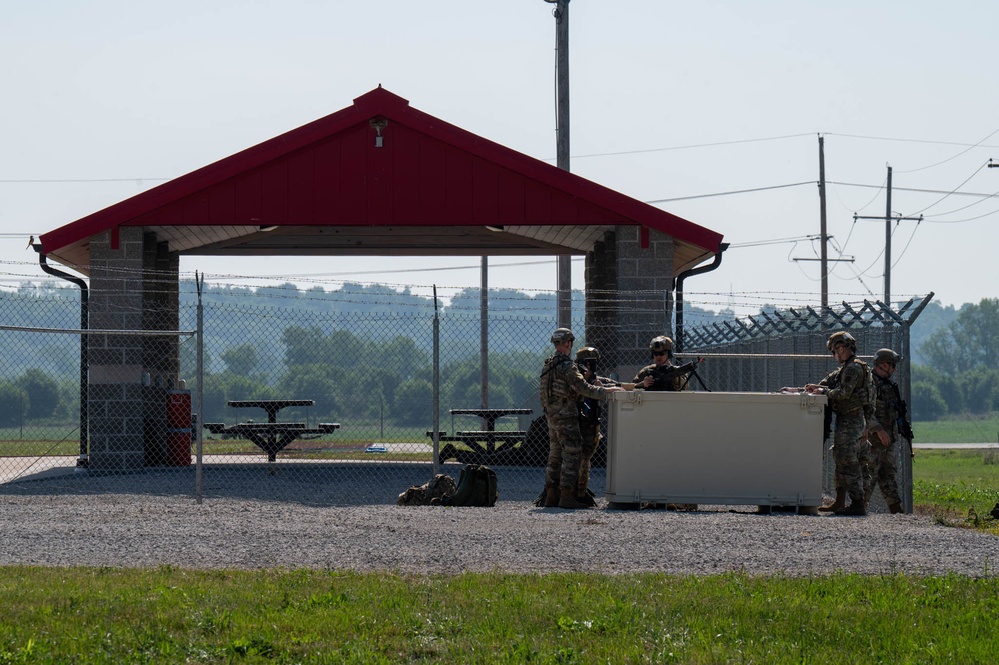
(904, 426)
(902, 409)
(663, 376)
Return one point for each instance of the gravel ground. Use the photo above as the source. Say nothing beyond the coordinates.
(346, 519)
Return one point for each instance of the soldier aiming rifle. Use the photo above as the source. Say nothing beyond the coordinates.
(662, 374)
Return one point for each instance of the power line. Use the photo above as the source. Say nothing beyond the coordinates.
(886, 138)
(65, 180)
(953, 157)
(736, 191)
(774, 241)
(960, 221)
(951, 193)
(914, 189)
(686, 147)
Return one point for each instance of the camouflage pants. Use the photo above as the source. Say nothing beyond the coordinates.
(848, 449)
(564, 452)
(864, 456)
(591, 439)
(882, 472)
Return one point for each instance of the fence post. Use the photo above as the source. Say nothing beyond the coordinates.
(199, 425)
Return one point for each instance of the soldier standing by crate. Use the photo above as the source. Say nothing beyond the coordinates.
(561, 387)
(883, 432)
(589, 419)
(850, 392)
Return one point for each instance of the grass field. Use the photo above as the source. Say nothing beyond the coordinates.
(958, 487)
(167, 615)
(958, 430)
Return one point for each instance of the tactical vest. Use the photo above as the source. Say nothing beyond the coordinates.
(872, 392)
(886, 409)
(554, 389)
(862, 399)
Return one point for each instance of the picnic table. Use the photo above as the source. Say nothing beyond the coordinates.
(484, 442)
(272, 437)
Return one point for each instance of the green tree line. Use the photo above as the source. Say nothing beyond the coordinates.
(36, 396)
(350, 376)
(961, 370)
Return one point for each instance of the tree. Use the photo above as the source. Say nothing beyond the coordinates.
(241, 360)
(43, 393)
(970, 342)
(315, 382)
(950, 389)
(414, 403)
(980, 386)
(219, 388)
(13, 404)
(927, 404)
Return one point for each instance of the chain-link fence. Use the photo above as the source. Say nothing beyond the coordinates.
(786, 348)
(305, 387)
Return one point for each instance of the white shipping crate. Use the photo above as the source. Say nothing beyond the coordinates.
(715, 448)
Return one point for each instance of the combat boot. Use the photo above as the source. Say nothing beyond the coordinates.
(551, 496)
(567, 499)
(855, 509)
(894, 508)
(838, 504)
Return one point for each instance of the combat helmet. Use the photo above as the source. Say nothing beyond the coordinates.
(562, 334)
(841, 337)
(887, 356)
(587, 353)
(661, 343)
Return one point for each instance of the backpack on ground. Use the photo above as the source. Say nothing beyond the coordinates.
(476, 487)
(439, 486)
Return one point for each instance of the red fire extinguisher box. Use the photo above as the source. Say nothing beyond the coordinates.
(178, 444)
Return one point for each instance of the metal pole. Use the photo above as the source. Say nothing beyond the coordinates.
(200, 400)
(484, 330)
(562, 147)
(437, 384)
(906, 451)
(888, 243)
(823, 234)
(83, 461)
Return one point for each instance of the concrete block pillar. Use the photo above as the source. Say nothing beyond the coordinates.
(133, 284)
(639, 264)
(160, 358)
(601, 301)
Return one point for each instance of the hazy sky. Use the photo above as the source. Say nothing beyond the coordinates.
(677, 103)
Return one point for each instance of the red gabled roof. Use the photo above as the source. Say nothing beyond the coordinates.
(378, 163)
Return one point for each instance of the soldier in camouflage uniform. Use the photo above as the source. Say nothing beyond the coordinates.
(850, 392)
(561, 387)
(589, 419)
(662, 374)
(882, 431)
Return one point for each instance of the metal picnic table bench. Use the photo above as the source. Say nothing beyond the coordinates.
(272, 437)
(483, 443)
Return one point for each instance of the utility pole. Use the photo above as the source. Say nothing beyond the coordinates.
(888, 220)
(888, 240)
(823, 235)
(823, 230)
(561, 14)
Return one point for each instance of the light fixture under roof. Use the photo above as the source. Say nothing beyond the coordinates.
(497, 229)
(265, 229)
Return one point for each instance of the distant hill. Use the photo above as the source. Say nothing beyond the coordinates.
(234, 314)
